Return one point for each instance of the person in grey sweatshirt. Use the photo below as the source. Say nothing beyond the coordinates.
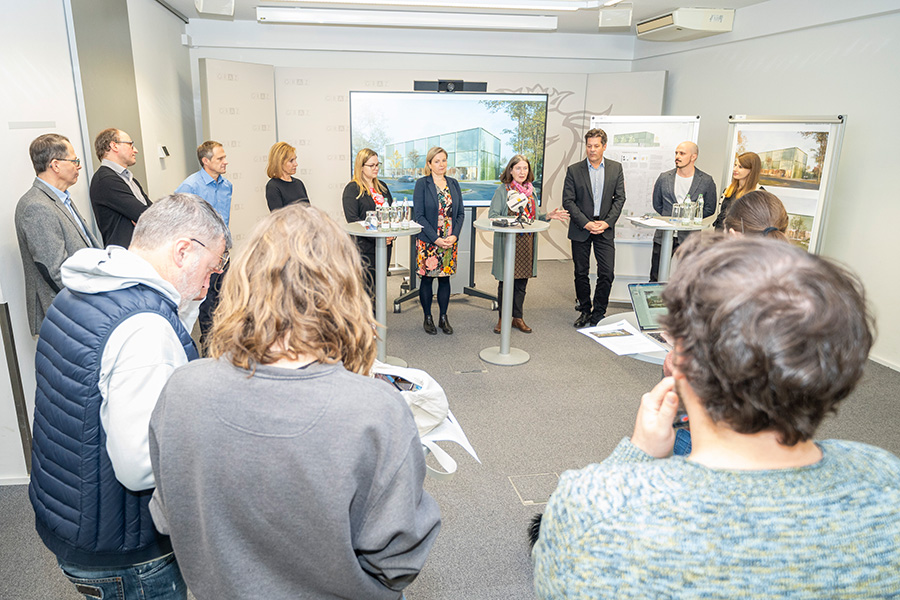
(282, 469)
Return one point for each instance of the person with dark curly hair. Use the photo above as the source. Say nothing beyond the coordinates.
(769, 340)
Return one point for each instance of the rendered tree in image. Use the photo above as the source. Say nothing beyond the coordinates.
(821, 139)
(527, 138)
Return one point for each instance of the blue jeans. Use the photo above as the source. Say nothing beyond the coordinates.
(158, 579)
(682, 442)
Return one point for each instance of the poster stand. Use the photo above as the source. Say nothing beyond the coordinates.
(801, 175)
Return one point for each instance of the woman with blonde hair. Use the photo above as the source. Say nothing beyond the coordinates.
(282, 471)
(364, 193)
(438, 208)
(744, 179)
(283, 188)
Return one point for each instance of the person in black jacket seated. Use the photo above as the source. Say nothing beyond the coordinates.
(438, 208)
(362, 194)
(283, 188)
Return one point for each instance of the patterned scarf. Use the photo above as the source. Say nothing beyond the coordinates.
(528, 191)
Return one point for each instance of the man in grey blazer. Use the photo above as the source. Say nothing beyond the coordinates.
(673, 186)
(593, 193)
(49, 228)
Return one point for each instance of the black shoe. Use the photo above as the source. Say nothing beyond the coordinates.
(583, 320)
(595, 320)
(444, 324)
(430, 329)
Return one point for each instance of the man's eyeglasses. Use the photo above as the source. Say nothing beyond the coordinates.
(223, 259)
(131, 143)
(77, 161)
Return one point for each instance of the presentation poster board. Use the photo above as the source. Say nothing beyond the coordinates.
(798, 157)
(646, 147)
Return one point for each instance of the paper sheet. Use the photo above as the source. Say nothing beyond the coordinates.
(649, 222)
(622, 338)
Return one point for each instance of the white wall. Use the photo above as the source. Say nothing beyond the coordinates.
(850, 67)
(162, 70)
(38, 97)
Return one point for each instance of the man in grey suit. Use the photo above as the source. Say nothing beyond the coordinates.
(674, 186)
(593, 193)
(49, 228)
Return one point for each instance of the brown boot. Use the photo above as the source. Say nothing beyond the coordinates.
(497, 326)
(521, 326)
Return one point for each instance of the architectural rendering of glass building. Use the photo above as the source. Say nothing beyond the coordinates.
(472, 155)
(787, 162)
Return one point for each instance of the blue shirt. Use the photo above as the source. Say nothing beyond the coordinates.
(598, 178)
(215, 191)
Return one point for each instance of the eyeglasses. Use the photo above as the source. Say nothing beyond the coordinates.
(374, 166)
(223, 259)
(131, 143)
(77, 161)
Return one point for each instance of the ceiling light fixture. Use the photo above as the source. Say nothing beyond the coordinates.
(552, 5)
(388, 18)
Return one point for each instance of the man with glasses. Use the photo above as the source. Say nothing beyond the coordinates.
(49, 228)
(107, 347)
(117, 197)
(210, 184)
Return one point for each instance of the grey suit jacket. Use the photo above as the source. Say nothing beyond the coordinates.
(578, 198)
(47, 235)
(664, 195)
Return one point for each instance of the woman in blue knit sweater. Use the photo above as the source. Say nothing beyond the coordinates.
(769, 340)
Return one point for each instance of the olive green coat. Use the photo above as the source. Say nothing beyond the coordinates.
(498, 209)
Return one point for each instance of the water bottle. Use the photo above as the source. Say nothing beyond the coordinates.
(698, 214)
(404, 220)
(686, 216)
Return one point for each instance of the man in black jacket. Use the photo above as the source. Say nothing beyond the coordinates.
(593, 193)
(117, 197)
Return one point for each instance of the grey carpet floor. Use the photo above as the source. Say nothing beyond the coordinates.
(567, 407)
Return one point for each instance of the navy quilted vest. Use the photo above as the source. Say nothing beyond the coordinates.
(82, 512)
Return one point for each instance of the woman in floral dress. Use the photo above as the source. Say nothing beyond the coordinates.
(438, 208)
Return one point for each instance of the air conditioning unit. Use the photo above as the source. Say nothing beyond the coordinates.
(684, 24)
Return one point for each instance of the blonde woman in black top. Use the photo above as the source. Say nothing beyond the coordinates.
(283, 188)
(364, 193)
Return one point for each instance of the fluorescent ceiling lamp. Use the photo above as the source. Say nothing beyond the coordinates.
(612, 2)
(554, 5)
(390, 18)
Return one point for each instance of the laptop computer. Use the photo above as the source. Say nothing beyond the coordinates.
(648, 305)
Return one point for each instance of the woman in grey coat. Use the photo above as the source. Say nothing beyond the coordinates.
(516, 188)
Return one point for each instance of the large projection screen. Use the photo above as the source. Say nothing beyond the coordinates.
(480, 133)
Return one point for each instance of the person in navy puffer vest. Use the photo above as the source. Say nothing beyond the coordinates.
(107, 346)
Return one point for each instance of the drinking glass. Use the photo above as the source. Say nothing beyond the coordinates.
(371, 220)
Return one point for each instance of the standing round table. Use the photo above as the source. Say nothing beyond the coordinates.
(381, 236)
(665, 244)
(503, 354)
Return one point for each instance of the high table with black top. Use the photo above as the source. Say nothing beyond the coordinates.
(503, 354)
(381, 266)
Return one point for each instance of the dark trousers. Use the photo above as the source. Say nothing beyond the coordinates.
(368, 261)
(605, 254)
(426, 294)
(657, 251)
(518, 297)
(208, 307)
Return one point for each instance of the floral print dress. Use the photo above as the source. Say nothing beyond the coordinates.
(432, 260)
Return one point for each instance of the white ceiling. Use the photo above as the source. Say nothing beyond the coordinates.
(580, 21)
